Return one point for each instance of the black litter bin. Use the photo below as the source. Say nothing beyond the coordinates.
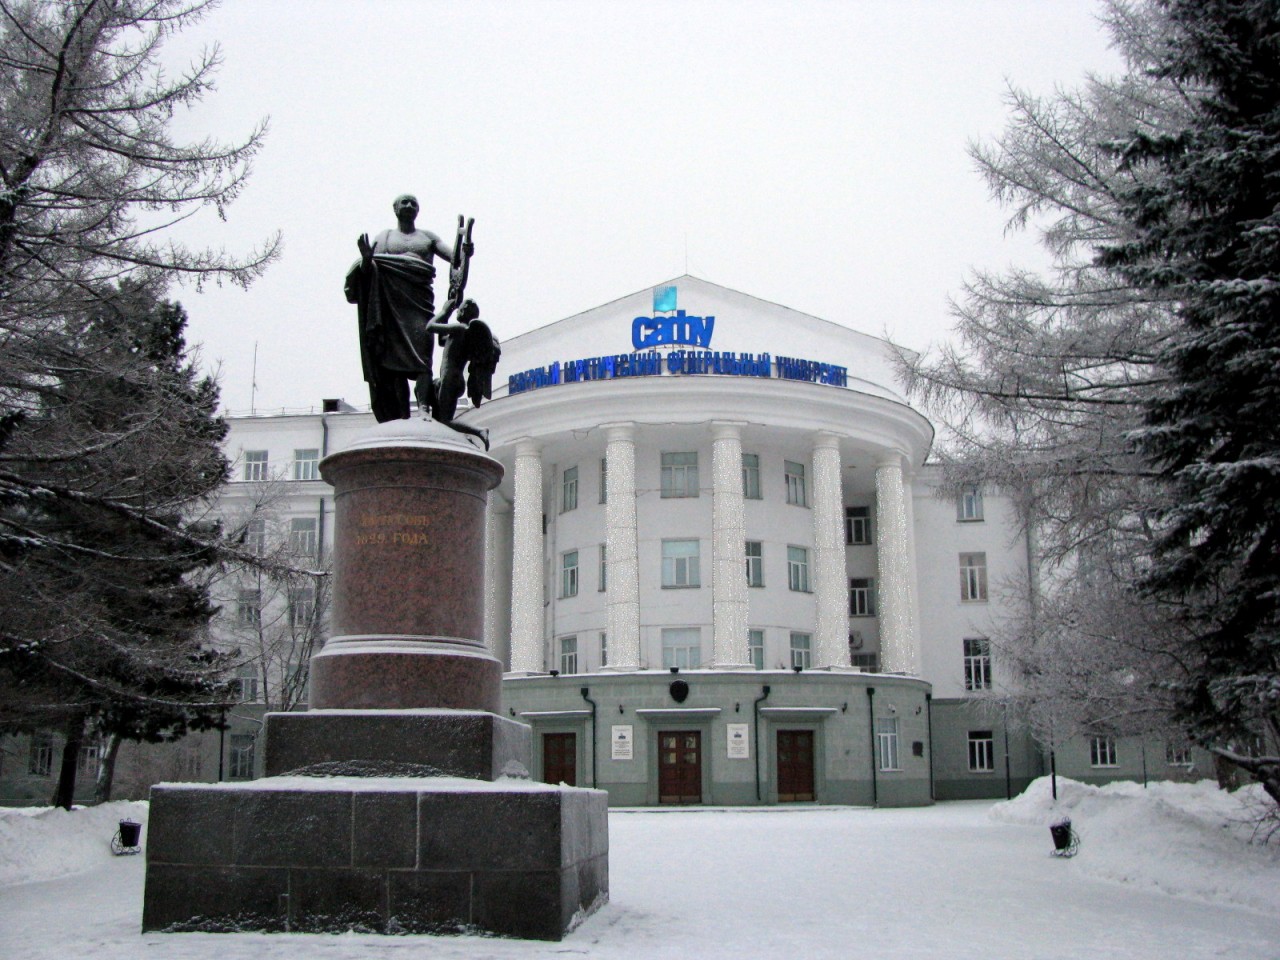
(126, 838)
(1065, 840)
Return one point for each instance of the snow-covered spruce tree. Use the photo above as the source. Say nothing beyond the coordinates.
(1204, 208)
(1046, 382)
(107, 438)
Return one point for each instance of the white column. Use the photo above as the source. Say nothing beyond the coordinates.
(527, 561)
(830, 586)
(899, 652)
(497, 625)
(729, 646)
(621, 546)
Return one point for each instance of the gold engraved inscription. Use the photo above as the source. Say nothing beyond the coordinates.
(373, 532)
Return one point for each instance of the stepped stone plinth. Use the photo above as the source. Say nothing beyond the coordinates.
(400, 803)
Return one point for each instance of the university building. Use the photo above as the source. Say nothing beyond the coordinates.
(721, 567)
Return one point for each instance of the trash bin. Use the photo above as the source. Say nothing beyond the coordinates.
(130, 832)
(1061, 832)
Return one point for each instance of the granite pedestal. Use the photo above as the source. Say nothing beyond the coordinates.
(400, 803)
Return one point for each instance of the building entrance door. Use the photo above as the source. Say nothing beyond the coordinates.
(560, 758)
(680, 767)
(795, 765)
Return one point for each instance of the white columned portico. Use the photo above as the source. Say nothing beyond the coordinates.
(527, 561)
(729, 645)
(899, 651)
(621, 547)
(830, 587)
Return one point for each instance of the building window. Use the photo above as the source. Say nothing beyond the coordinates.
(680, 474)
(755, 645)
(973, 577)
(249, 608)
(969, 503)
(801, 650)
(88, 760)
(569, 490)
(246, 683)
(303, 538)
(568, 655)
(751, 476)
(255, 465)
(982, 755)
(977, 663)
(241, 756)
(604, 649)
(862, 597)
(680, 563)
(255, 536)
(40, 757)
(1177, 754)
(866, 662)
(793, 473)
(755, 563)
(306, 464)
(604, 479)
(681, 647)
(569, 573)
(798, 569)
(1102, 752)
(887, 740)
(604, 569)
(302, 607)
(857, 525)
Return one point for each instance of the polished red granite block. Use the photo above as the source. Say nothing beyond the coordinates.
(408, 590)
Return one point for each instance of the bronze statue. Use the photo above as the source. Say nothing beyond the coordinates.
(391, 284)
(468, 341)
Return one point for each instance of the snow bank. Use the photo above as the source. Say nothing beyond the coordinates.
(50, 842)
(1186, 839)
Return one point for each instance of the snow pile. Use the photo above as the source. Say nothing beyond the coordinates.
(50, 842)
(1185, 839)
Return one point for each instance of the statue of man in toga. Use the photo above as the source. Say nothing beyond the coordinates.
(391, 284)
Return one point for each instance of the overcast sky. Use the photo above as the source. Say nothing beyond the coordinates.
(809, 153)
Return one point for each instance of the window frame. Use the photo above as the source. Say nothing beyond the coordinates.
(862, 594)
(678, 478)
(977, 663)
(982, 747)
(672, 653)
(569, 574)
(241, 760)
(568, 658)
(602, 569)
(40, 755)
(306, 468)
(887, 744)
(751, 487)
(969, 506)
(674, 563)
(798, 569)
(973, 577)
(569, 489)
(801, 647)
(793, 475)
(857, 527)
(304, 536)
(1102, 752)
(257, 466)
(755, 562)
(755, 651)
(249, 608)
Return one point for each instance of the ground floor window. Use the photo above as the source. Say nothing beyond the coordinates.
(241, 756)
(801, 650)
(40, 759)
(981, 751)
(1177, 754)
(1102, 752)
(755, 645)
(568, 655)
(887, 741)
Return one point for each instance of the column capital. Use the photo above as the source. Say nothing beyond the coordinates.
(527, 447)
(824, 440)
(727, 429)
(892, 458)
(619, 430)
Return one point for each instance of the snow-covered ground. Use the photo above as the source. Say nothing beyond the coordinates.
(1166, 872)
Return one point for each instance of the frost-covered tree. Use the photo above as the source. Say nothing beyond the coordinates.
(1204, 208)
(108, 439)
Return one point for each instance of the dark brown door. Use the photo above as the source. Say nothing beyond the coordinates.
(560, 758)
(680, 767)
(795, 765)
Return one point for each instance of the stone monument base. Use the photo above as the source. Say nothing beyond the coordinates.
(376, 855)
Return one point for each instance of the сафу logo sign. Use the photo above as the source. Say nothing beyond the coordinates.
(655, 331)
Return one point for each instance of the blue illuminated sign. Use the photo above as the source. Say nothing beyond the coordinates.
(664, 299)
(648, 332)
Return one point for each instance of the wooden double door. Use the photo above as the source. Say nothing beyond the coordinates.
(795, 766)
(680, 766)
(560, 758)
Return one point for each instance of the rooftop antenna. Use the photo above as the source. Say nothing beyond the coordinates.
(253, 380)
